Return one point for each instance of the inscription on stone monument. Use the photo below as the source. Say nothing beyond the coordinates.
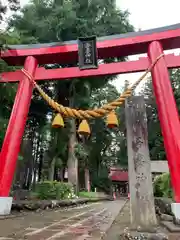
(140, 179)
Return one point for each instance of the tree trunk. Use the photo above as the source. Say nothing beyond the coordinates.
(72, 162)
(87, 180)
(28, 159)
(20, 169)
(52, 169)
(19, 175)
(61, 174)
(40, 166)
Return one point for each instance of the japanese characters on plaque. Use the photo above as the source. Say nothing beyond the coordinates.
(87, 53)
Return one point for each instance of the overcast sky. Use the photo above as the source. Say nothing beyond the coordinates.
(146, 15)
(149, 14)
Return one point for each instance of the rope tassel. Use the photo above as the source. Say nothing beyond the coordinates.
(58, 121)
(111, 120)
(84, 128)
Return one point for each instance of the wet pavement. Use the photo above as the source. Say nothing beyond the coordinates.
(80, 223)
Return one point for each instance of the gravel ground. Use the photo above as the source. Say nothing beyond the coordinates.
(121, 222)
(80, 223)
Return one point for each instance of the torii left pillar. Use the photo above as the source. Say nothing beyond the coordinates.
(14, 134)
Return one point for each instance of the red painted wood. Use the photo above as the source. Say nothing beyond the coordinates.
(168, 115)
(104, 69)
(169, 39)
(119, 176)
(15, 130)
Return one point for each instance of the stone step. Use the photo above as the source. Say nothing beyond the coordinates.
(171, 227)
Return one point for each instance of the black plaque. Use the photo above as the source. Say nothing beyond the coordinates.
(87, 51)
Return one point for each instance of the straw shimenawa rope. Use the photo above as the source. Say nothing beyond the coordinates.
(87, 114)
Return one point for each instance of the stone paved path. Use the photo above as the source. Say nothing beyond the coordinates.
(85, 222)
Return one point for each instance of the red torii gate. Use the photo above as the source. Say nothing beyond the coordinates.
(152, 42)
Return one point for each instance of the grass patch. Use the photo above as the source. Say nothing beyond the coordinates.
(88, 194)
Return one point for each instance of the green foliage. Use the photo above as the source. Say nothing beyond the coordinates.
(81, 153)
(101, 181)
(156, 186)
(88, 194)
(52, 190)
(48, 21)
(8, 5)
(20, 158)
(162, 186)
(155, 138)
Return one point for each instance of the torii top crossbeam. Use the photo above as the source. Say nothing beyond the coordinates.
(111, 46)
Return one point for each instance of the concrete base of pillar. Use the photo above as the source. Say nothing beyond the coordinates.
(5, 205)
(175, 207)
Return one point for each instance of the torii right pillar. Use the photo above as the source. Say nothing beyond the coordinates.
(169, 119)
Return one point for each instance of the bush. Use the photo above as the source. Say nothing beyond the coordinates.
(162, 186)
(52, 190)
(102, 184)
(156, 187)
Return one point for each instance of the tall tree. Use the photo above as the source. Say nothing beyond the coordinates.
(156, 144)
(47, 21)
